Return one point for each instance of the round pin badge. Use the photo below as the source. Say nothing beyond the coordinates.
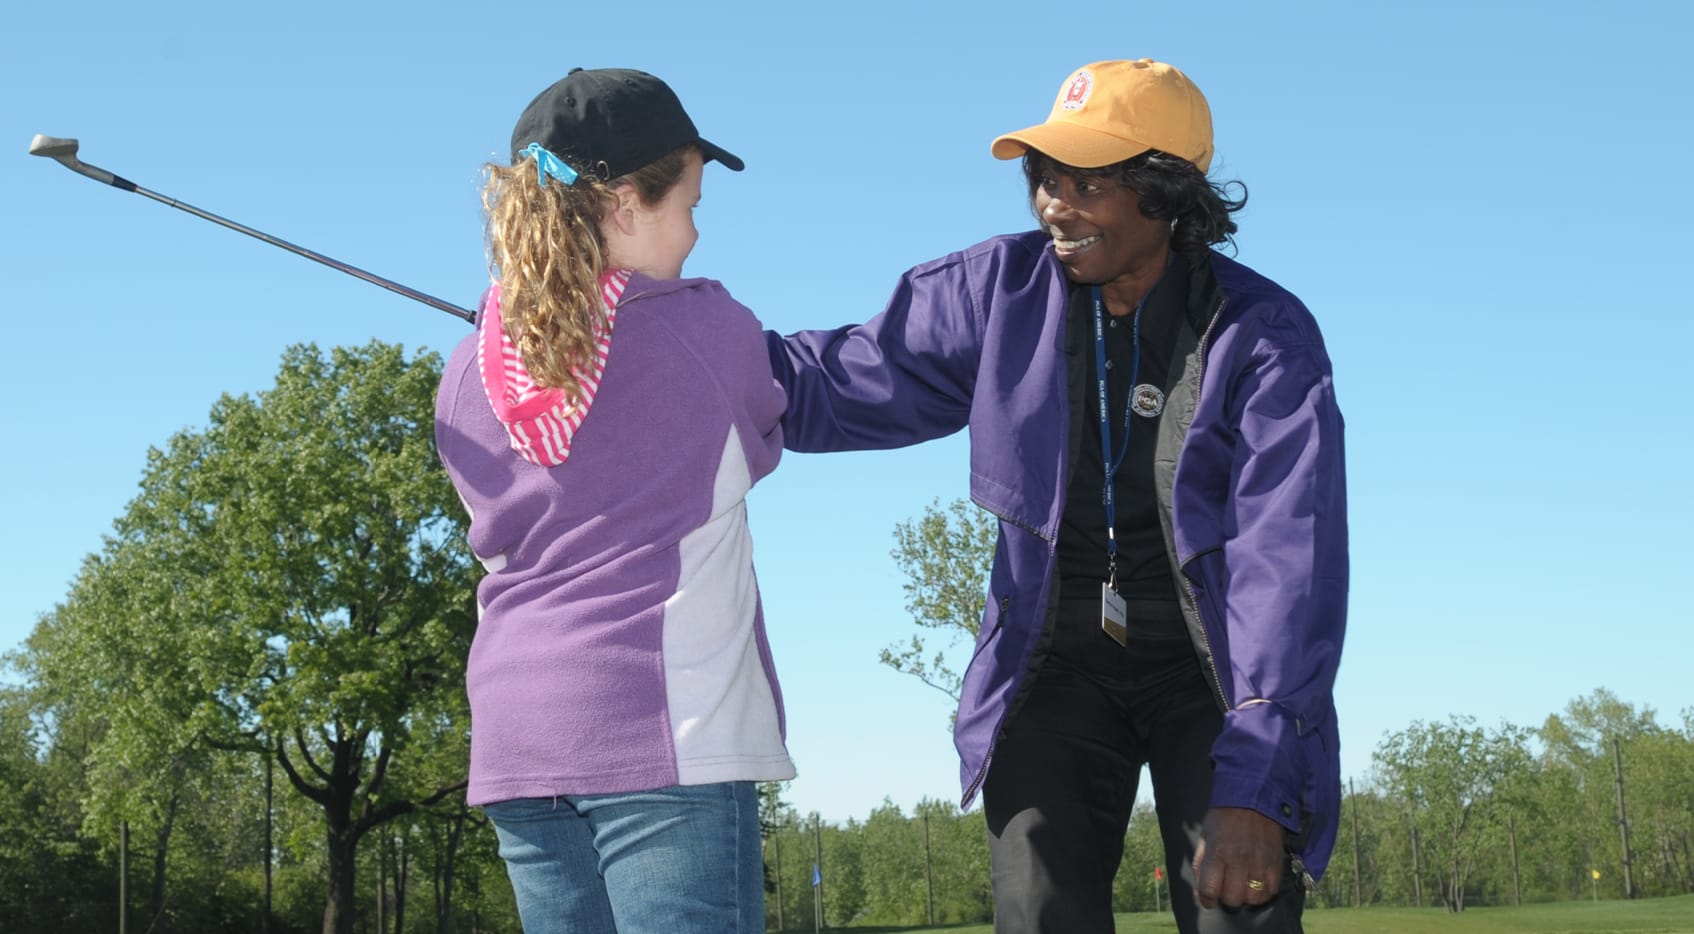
(1147, 401)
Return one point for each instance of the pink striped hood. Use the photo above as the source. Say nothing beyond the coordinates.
(540, 422)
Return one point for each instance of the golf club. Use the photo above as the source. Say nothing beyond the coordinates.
(63, 151)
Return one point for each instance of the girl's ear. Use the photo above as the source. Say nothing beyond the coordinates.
(621, 209)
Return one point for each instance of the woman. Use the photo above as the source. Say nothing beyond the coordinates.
(1155, 427)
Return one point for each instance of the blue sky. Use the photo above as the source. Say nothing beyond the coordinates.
(1483, 204)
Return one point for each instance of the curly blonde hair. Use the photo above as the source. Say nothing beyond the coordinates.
(546, 250)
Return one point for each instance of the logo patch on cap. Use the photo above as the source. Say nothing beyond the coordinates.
(1076, 93)
(1147, 401)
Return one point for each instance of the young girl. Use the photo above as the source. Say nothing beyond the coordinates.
(603, 426)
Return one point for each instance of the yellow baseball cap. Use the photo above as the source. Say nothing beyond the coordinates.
(1107, 112)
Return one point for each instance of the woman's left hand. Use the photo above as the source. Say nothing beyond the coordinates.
(1240, 859)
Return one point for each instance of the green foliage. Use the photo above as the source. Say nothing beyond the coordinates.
(291, 582)
(958, 857)
(1508, 816)
(1143, 852)
(946, 556)
(892, 868)
(880, 872)
(1456, 779)
(792, 848)
(1586, 746)
(47, 871)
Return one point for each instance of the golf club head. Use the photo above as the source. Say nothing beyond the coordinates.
(53, 147)
(63, 151)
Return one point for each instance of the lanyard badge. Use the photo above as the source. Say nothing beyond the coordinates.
(1114, 615)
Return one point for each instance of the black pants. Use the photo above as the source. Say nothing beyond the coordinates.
(1062, 785)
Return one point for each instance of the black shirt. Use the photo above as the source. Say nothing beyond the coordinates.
(1144, 575)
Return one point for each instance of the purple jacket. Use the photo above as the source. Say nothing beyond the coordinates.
(1249, 467)
(620, 644)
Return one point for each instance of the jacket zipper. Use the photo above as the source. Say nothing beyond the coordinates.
(1188, 588)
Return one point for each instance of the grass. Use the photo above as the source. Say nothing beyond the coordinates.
(1643, 916)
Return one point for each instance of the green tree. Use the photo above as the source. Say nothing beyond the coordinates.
(795, 842)
(1369, 851)
(291, 582)
(959, 861)
(946, 556)
(774, 815)
(1143, 854)
(48, 870)
(843, 889)
(892, 868)
(1454, 776)
(1659, 771)
(108, 659)
(772, 807)
(458, 860)
(1588, 725)
(788, 861)
(20, 830)
(1587, 742)
(485, 902)
(1556, 835)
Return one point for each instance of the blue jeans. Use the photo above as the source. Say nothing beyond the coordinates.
(674, 860)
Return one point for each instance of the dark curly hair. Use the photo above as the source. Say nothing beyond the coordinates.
(1170, 188)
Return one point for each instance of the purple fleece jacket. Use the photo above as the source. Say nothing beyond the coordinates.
(621, 645)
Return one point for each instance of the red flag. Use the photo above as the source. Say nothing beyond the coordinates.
(1158, 872)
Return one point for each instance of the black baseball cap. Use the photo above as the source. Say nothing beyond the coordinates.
(608, 122)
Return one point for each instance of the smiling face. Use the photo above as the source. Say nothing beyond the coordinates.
(1099, 233)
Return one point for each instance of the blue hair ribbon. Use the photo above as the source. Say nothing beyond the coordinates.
(548, 164)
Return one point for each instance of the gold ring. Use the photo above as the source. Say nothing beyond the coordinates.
(1255, 885)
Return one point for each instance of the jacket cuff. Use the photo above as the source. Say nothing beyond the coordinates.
(1259, 764)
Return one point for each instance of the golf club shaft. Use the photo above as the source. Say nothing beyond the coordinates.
(118, 181)
(331, 262)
